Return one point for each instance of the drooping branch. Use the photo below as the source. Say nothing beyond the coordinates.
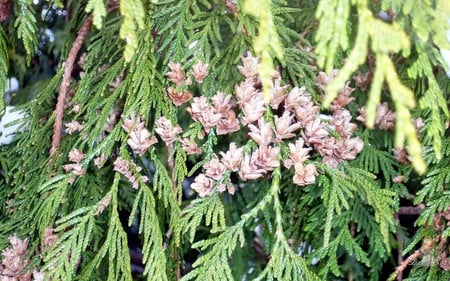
(63, 89)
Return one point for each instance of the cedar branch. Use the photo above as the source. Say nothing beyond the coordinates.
(64, 87)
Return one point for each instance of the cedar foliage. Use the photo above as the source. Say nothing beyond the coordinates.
(343, 226)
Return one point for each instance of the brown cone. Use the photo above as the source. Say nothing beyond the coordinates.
(5, 9)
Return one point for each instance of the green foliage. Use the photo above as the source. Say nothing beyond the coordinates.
(211, 208)
(214, 265)
(65, 254)
(115, 245)
(133, 18)
(378, 161)
(433, 99)
(109, 197)
(26, 26)
(294, 266)
(153, 253)
(174, 18)
(267, 44)
(332, 33)
(98, 10)
(384, 40)
(342, 196)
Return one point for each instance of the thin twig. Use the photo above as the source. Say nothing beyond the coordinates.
(426, 246)
(63, 89)
(404, 263)
(171, 170)
(399, 270)
(411, 210)
(400, 246)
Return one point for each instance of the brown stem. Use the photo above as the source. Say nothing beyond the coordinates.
(426, 246)
(170, 168)
(352, 232)
(63, 89)
(171, 171)
(411, 210)
(400, 247)
(399, 270)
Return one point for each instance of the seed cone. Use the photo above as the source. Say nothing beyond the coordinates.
(5, 9)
